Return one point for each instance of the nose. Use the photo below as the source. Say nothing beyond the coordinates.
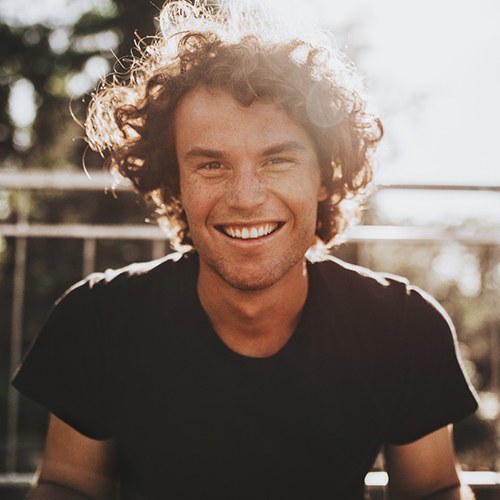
(246, 190)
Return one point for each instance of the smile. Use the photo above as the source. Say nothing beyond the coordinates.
(250, 232)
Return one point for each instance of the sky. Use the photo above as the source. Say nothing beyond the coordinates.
(431, 69)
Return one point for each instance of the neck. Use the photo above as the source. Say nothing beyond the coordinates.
(256, 323)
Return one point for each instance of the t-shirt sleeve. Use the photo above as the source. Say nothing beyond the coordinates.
(435, 389)
(64, 370)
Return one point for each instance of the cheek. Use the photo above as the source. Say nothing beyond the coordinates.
(305, 192)
(197, 201)
(189, 199)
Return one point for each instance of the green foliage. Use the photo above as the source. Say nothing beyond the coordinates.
(49, 57)
(52, 57)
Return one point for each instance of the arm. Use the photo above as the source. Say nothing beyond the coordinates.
(74, 467)
(425, 469)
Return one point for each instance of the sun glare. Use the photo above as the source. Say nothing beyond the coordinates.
(432, 68)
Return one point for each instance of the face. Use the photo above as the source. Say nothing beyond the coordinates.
(250, 186)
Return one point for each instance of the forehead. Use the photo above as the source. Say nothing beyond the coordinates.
(213, 117)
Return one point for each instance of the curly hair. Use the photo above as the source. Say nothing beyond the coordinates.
(130, 121)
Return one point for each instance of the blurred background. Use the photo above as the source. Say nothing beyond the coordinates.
(432, 70)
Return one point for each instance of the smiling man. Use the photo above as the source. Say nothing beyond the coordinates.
(249, 364)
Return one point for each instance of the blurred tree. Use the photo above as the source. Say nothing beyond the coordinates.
(60, 61)
(47, 66)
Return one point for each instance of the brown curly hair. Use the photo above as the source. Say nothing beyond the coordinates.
(131, 123)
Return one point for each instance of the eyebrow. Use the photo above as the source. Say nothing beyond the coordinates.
(283, 147)
(197, 151)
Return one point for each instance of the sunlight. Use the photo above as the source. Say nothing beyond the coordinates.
(431, 68)
(49, 12)
(433, 71)
(377, 479)
(451, 207)
(489, 405)
(22, 107)
(95, 68)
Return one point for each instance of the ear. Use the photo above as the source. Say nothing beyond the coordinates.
(322, 193)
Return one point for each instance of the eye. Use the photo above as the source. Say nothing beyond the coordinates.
(279, 163)
(212, 169)
(213, 165)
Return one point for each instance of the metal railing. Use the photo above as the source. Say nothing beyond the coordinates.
(24, 183)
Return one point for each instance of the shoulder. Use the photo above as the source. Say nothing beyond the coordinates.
(374, 298)
(359, 285)
(134, 279)
(121, 295)
(108, 306)
(135, 273)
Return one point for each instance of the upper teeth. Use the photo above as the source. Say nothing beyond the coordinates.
(246, 233)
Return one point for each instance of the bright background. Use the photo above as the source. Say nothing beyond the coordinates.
(433, 70)
(431, 67)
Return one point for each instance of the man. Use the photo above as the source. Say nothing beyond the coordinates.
(241, 369)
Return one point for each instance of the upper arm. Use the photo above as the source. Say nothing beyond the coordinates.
(78, 462)
(422, 467)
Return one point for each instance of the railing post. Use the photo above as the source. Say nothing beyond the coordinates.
(89, 251)
(158, 249)
(494, 334)
(16, 335)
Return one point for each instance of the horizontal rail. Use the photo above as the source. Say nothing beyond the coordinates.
(477, 479)
(16, 480)
(441, 187)
(61, 180)
(356, 234)
(83, 231)
(359, 234)
(38, 179)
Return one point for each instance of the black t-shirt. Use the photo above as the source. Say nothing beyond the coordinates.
(131, 355)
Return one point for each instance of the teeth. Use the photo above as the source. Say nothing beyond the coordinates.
(247, 233)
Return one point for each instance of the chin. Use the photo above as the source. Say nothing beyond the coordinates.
(249, 283)
(252, 274)
(251, 277)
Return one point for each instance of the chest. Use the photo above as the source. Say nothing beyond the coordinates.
(205, 414)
